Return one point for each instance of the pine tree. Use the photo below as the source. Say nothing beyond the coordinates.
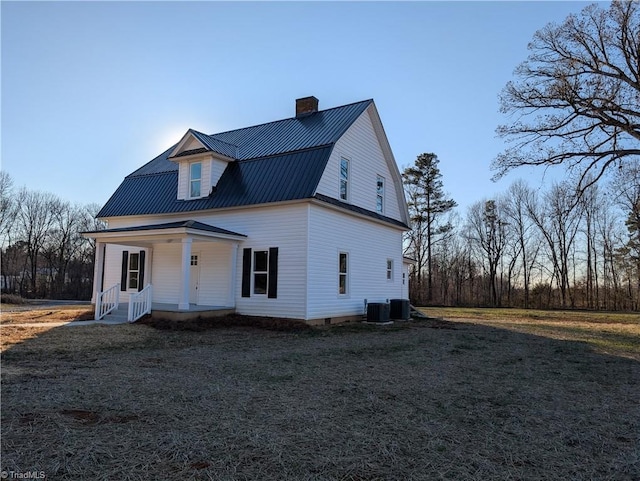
(427, 208)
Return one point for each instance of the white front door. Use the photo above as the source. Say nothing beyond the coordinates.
(194, 278)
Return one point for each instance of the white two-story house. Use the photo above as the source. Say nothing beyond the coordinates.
(299, 218)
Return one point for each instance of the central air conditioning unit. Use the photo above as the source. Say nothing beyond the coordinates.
(378, 312)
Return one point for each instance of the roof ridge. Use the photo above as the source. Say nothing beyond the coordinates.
(175, 171)
(289, 152)
(285, 119)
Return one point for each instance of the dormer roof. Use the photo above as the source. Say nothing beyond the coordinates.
(205, 144)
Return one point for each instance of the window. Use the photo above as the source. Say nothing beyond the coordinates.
(194, 260)
(195, 178)
(132, 274)
(260, 272)
(389, 269)
(134, 270)
(343, 273)
(380, 194)
(344, 178)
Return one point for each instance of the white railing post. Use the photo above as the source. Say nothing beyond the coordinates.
(140, 303)
(107, 301)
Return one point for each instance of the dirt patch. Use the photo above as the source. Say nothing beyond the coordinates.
(232, 320)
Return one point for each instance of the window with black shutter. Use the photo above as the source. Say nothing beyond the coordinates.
(132, 275)
(260, 272)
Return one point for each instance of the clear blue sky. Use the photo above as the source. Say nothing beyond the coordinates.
(91, 91)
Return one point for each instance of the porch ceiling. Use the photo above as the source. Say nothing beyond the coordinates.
(147, 235)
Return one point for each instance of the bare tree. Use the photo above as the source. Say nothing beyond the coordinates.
(627, 186)
(64, 243)
(575, 100)
(487, 231)
(7, 204)
(558, 219)
(518, 197)
(33, 221)
(8, 211)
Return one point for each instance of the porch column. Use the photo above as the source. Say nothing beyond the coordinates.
(233, 269)
(147, 267)
(185, 277)
(98, 270)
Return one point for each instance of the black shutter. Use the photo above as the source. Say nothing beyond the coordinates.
(246, 272)
(125, 267)
(272, 289)
(141, 273)
(104, 257)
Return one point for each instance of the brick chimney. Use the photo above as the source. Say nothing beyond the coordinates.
(306, 106)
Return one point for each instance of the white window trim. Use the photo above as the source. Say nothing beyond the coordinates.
(347, 275)
(190, 180)
(382, 195)
(347, 180)
(254, 272)
(129, 271)
(389, 270)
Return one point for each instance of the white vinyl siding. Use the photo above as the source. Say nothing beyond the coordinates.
(217, 169)
(284, 227)
(367, 263)
(360, 144)
(213, 261)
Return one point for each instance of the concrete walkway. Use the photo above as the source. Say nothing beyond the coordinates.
(66, 323)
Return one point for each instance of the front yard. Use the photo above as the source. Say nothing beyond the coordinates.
(422, 400)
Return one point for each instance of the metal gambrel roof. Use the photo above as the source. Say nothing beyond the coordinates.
(275, 162)
(277, 178)
(288, 135)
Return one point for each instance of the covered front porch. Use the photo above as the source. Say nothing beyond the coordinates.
(178, 270)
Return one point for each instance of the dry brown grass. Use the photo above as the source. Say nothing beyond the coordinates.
(22, 315)
(616, 333)
(423, 400)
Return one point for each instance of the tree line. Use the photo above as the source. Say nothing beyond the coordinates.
(574, 101)
(556, 248)
(42, 251)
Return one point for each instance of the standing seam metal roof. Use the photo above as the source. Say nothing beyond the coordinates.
(259, 181)
(278, 161)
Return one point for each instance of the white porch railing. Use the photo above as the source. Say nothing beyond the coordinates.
(140, 303)
(107, 301)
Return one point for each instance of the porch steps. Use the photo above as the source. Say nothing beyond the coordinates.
(118, 315)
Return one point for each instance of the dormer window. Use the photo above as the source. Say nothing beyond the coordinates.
(195, 179)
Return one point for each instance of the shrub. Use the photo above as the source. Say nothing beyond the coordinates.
(11, 299)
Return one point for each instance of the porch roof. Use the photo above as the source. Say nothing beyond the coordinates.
(164, 232)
